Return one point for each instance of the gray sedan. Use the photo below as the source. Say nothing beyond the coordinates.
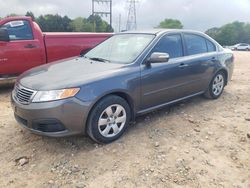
(129, 74)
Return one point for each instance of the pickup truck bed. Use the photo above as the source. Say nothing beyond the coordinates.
(64, 45)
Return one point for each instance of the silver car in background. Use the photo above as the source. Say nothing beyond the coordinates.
(241, 46)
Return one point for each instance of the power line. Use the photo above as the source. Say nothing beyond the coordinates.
(119, 24)
(104, 12)
(132, 21)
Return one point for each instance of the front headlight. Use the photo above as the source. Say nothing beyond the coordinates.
(44, 96)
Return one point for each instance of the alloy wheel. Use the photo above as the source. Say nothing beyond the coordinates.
(112, 120)
(218, 85)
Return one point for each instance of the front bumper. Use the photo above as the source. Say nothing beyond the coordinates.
(55, 119)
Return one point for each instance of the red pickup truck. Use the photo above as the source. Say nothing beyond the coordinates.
(23, 45)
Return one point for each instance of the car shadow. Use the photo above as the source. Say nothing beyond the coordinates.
(6, 87)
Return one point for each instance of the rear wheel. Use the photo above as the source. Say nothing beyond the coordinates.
(108, 119)
(216, 86)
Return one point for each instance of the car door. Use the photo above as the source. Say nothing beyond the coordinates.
(164, 82)
(202, 59)
(22, 52)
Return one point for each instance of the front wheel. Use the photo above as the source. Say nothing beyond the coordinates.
(216, 86)
(109, 119)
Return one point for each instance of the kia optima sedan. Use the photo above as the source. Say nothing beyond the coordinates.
(127, 75)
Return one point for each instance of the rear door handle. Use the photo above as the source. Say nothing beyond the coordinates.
(29, 46)
(183, 65)
(213, 58)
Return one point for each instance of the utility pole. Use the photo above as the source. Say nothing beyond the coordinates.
(120, 20)
(132, 21)
(102, 12)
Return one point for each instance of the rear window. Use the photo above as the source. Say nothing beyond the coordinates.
(210, 46)
(243, 44)
(195, 44)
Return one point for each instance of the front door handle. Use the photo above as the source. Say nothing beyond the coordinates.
(183, 65)
(29, 46)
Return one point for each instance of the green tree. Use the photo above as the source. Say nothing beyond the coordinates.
(91, 24)
(228, 34)
(12, 15)
(232, 33)
(213, 32)
(30, 14)
(99, 25)
(170, 24)
(66, 24)
(80, 24)
(42, 23)
(54, 23)
(246, 36)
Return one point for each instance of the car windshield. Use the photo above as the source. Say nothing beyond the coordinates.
(122, 48)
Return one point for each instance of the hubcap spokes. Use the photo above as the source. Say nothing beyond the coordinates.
(112, 120)
(218, 85)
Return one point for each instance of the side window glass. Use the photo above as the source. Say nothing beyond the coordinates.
(19, 30)
(195, 44)
(171, 44)
(210, 46)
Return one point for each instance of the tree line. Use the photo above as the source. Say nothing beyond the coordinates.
(229, 34)
(232, 33)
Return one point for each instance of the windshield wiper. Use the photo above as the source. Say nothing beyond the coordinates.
(99, 59)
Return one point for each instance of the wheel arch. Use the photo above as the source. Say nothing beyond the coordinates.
(121, 94)
(225, 72)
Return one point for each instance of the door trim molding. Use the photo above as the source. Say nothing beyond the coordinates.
(168, 103)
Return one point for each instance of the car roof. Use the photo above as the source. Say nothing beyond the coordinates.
(161, 31)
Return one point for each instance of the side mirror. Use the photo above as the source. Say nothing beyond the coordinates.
(158, 57)
(4, 35)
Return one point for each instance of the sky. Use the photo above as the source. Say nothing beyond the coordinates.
(194, 14)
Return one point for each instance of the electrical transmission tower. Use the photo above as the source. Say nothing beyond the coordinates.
(102, 12)
(131, 22)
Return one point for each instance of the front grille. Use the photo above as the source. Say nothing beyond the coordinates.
(23, 95)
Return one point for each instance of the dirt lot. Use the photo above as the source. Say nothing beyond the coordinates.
(198, 143)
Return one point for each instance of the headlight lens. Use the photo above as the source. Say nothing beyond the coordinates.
(44, 96)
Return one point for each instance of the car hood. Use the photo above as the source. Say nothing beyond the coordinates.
(65, 74)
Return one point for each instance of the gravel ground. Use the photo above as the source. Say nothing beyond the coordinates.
(197, 143)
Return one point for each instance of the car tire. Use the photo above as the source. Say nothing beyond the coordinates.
(216, 86)
(108, 119)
